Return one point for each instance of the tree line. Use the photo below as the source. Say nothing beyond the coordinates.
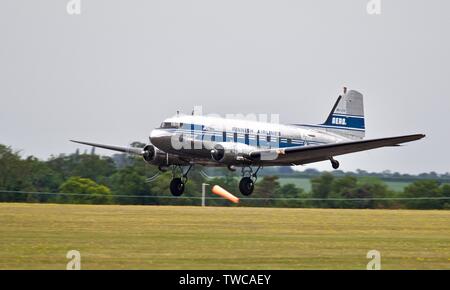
(121, 179)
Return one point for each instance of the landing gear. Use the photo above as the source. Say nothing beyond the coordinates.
(246, 186)
(334, 163)
(177, 184)
(247, 183)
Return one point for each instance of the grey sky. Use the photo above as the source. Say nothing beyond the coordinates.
(114, 72)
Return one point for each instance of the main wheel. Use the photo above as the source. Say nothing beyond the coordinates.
(177, 187)
(246, 186)
(335, 164)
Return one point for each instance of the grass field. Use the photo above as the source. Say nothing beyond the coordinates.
(38, 236)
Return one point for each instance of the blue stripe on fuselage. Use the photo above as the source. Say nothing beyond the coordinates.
(198, 133)
(346, 121)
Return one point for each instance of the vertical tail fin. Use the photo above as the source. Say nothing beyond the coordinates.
(347, 116)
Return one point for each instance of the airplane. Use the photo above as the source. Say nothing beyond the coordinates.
(186, 140)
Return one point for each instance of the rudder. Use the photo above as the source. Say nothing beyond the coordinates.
(347, 116)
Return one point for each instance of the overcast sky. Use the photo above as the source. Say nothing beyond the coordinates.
(114, 72)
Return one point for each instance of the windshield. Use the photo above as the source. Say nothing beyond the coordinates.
(167, 125)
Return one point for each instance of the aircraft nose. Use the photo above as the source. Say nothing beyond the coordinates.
(160, 138)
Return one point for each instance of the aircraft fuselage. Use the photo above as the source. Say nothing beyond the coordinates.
(195, 136)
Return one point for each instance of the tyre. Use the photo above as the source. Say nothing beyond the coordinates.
(246, 186)
(177, 187)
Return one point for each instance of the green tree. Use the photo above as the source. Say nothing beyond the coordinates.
(39, 176)
(321, 188)
(84, 165)
(10, 169)
(423, 189)
(445, 192)
(376, 190)
(94, 193)
(10, 174)
(28, 175)
(129, 182)
(267, 188)
(290, 191)
(345, 188)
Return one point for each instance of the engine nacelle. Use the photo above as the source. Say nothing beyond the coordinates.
(155, 156)
(230, 152)
(149, 153)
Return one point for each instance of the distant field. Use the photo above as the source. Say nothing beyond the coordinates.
(306, 184)
(299, 182)
(38, 236)
(397, 185)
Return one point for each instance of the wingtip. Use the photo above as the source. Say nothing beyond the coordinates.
(418, 136)
(79, 142)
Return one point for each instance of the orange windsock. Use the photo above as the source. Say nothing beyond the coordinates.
(225, 194)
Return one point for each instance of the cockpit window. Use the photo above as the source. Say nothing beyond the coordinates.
(170, 125)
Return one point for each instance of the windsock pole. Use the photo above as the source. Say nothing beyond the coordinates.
(204, 193)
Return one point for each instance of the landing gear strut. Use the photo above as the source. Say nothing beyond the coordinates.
(334, 163)
(247, 183)
(177, 184)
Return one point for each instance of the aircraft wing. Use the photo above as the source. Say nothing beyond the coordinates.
(308, 154)
(130, 150)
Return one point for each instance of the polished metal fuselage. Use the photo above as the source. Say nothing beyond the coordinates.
(191, 138)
